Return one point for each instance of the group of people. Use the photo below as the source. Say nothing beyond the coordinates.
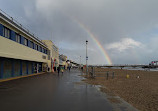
(60, 68)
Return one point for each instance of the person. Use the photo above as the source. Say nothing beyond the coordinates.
(48, 69)
(82, 69)
(69, 68)
(55, 69)
(62, 70)
(58, 70)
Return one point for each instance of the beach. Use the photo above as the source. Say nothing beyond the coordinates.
(140, 88)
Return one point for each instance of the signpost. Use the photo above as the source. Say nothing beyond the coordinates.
(86, 58)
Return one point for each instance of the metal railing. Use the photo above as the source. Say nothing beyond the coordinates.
(106, 74)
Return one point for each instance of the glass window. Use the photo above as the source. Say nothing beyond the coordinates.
(26, 42)
(48, 52)
(31, 44)
(6, 32)
(43, 50)
(40, 49)
(18, 38)
(36, 47)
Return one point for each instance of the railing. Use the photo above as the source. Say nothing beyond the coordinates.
(105, 74)
(16, 23)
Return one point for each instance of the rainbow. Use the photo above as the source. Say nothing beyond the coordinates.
(100, 47)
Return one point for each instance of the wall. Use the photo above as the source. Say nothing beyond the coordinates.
(12, 49)
(53, 53)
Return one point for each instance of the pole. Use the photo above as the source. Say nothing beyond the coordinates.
(80, 61)
(86, 58)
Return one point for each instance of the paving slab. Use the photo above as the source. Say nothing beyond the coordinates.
(50, 92)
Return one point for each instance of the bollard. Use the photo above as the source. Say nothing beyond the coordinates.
(113, 73)
(127, 76)
(107, 75)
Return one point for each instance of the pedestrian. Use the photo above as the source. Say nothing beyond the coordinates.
(69, 68)
(48, 69)
(82, 69)
(62, 70)
(58, 70)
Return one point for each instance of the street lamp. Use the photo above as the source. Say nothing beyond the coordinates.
(86, 58)
(80, 61)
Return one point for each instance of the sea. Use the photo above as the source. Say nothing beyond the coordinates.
(137, 68)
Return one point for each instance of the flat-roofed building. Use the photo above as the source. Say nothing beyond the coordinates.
(63, 61)
(54, 54)
(20, 52)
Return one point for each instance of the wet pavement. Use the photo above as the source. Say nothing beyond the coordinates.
(50, 92)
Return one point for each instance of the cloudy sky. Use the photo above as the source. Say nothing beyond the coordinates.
(126, 29)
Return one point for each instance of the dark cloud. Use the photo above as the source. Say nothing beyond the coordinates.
(110, 20)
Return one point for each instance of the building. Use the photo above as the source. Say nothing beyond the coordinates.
(21, 53)
(63, 61)
(54, 55)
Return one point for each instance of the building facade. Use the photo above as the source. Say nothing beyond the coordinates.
(54, 55)
(63, 61)
(20, 52)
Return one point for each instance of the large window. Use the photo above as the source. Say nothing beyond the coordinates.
(18, 38)
(26, 42)
(40, 49)
(48, 53)
(6, 32)
(31, 44)
(44, 50)
(36, 47)
(55, 48)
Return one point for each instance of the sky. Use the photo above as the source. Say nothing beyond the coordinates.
(118, 31)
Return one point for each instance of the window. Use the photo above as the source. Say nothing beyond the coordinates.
(18, 38)
(6, 32)
(48, 52)
(31, 44)
(55, 48)
(43, 50)
(40, 49)
(36, 47)
(26, 42)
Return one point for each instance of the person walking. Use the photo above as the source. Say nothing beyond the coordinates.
(69, 68)
(82, 69)
(58, 70)
(62, 70)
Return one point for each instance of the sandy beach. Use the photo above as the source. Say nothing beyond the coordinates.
(140, 89)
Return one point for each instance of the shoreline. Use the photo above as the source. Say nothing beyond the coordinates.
(129, 68)
(140, 92)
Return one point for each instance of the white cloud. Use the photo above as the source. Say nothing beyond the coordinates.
(125, 43)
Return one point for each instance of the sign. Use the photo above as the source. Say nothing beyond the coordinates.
(44, 57)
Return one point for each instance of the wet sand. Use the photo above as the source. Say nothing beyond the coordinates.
(140, 89)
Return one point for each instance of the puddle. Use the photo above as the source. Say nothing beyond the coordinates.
(80, 83)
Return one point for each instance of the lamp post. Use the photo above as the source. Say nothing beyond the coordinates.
(80, 61)
(86, 58)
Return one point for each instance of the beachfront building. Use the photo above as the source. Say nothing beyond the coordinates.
(21, 53)
(54, 55)
(63, 61)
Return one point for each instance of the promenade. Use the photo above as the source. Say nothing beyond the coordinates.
(50, 92)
